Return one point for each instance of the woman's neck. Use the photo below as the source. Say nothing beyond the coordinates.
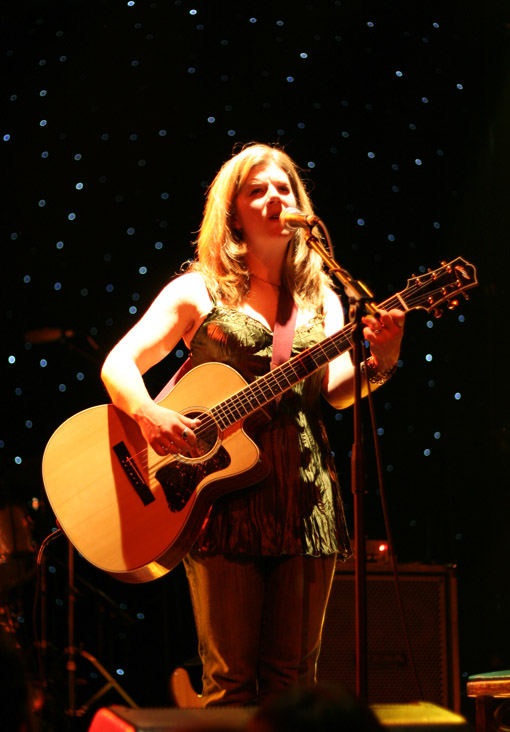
(268, 267)
(267, 282)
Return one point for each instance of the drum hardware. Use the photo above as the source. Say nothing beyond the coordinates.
(73, 652)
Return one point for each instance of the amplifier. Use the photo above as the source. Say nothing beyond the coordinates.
(429, 599)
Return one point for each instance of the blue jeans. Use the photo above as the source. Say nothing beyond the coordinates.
(259, 622)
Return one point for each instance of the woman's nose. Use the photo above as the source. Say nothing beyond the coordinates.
(273, 193)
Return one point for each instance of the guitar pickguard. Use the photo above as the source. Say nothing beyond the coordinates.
(180, 479)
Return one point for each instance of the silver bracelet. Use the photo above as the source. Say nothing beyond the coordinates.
(376, 377)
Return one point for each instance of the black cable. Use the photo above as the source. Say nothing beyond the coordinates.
(377, 452)
(37, 640)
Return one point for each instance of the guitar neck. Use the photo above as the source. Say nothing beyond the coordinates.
(268, 387)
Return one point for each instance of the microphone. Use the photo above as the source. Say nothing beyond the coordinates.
(292, 218)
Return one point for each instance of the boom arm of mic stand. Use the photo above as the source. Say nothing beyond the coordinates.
(354, 289)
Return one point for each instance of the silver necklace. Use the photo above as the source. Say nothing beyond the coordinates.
(266, 281)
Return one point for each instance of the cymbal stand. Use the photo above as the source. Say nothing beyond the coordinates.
(72, 652)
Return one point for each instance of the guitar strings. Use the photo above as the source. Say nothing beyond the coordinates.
(246, 399)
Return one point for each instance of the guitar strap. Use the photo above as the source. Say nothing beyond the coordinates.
(284, 328)
(183, 369)
(283, 335)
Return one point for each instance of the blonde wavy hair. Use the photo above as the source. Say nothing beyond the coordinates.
(221, 252)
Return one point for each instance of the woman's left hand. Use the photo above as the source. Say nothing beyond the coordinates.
(384, 334)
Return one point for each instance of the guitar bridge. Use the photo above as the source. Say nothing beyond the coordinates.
(132, 473)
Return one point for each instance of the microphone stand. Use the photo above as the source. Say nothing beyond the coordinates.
(361, 301)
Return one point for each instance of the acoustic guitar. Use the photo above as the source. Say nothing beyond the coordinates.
(136, 514)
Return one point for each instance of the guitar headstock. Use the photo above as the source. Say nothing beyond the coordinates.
(440, 286)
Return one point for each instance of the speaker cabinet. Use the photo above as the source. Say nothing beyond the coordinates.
(429, 599)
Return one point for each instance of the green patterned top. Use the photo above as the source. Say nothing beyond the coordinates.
(297, 508)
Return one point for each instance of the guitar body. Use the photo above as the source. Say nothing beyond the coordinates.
(126, 509)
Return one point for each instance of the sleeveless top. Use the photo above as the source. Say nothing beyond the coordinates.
(297, 509)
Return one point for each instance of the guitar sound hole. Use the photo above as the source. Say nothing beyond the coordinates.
(206, 434)
(180, 478)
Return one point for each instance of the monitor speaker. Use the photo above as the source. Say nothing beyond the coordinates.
(429, 600)
(417, 717)
(125, 719)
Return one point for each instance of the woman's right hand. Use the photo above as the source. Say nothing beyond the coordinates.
(167, 431)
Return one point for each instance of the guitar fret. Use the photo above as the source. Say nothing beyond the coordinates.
(240, 405)
(307, 362)
(299, 369)
(332, 349)
(232, 412)
(219, 415)
(282, 380)
(271, 388)
(402, 302)
(253, 396)
(261, 391)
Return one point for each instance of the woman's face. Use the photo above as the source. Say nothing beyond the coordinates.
(264, 195)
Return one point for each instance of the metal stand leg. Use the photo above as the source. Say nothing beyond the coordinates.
(110, 684)
(73, 652)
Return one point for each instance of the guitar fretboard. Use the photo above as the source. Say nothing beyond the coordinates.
(426, 291)
(263, 390)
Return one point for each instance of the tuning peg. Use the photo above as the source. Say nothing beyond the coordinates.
(452, 304)
(466, 296)
(438, 313)
(446, 264)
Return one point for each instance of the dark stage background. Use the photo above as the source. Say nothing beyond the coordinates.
(115, 117)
